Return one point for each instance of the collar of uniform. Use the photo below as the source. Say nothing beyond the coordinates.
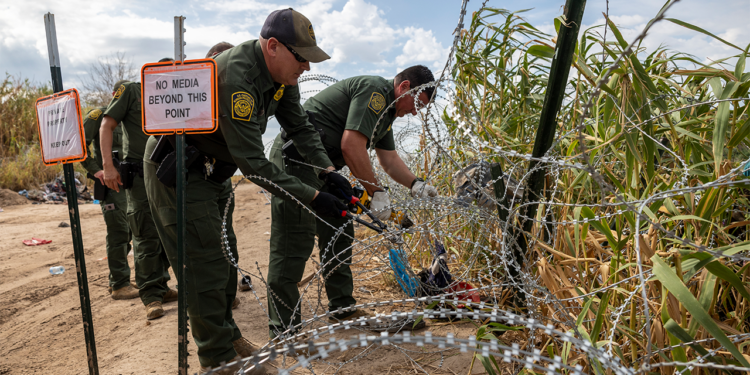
(390, 96)
(263, 80)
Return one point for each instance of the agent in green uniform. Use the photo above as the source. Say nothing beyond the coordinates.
(151, 263)
(114, 206)
(355, 115)
(256, 79)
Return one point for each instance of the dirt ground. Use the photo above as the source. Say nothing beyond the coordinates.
(40, 315)
(11, 198)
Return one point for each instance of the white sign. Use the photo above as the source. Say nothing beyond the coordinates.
(177, 98)
(60, 128)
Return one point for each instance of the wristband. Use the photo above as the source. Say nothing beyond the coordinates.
(415, 181)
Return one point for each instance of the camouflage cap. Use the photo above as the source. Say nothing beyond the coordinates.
(291, 27)
(118, 84)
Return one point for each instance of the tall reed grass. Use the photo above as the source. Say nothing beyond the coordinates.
(652, 129)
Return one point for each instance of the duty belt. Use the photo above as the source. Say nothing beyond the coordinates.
(212, 169)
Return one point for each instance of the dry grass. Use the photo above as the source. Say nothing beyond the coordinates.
(500, 79)
(26, 170)
(20, 158)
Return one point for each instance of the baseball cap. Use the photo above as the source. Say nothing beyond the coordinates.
(291, 27)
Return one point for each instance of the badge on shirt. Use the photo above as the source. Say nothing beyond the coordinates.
(119, 91)
(311, 32)
(377, 102)
(279, 93)
(94, 114)
(242, 106)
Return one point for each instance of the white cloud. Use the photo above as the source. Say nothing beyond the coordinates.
(357, 32)
(422, 47)
(627, 20)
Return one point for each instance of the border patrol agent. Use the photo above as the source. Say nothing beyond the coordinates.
(256, 79)
(114, 205)
(244, 283)
(352, 113)
(151, 263)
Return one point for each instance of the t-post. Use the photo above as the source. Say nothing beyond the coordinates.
(182, 331)
(72, 195)
(545, 135)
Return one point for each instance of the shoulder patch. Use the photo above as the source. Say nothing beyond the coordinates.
(95, 114)
(242, 106)
(119, 91)
(377, 102)
(279, 93)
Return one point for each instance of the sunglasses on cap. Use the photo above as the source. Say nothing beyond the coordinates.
(294, 53)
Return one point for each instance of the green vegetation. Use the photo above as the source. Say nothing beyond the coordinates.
(20, 159)
(653, 128)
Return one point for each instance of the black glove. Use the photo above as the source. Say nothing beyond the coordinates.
(337, 185)
(327, 205)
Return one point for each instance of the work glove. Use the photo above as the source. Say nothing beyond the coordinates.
(327, 205)
(337, 185)
(381, 205)
(420, 189)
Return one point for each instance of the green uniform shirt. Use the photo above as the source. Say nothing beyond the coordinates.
(247, 97)
(125, 108)
(355, 103)
(91, 125)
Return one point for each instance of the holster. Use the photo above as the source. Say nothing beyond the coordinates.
(100, 190)
(164, 146)
(128, 172)
(167, 171)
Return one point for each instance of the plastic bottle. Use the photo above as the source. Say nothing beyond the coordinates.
(57, 270)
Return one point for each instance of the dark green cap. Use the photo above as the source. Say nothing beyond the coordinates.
(291, 27)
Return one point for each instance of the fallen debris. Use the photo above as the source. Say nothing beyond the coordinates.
(36, 241)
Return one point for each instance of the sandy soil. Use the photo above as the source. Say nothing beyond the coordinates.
(40, 317)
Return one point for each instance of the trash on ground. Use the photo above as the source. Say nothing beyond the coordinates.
(402, 271)
(435, 279)
(473, 184)
(36, 241)
(54, 192)
(56, 270)
(63, 225)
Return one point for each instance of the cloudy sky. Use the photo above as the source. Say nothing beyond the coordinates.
(362, 36)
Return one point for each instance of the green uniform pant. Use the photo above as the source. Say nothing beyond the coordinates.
(151, 263)
(293, 230)
(114, 208)
(211, 280)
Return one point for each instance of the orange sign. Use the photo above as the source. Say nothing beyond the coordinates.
(179, 97)
(61, 136)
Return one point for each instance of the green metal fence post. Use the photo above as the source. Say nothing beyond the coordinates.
(72, 196)
(545, 136)
(182, 331)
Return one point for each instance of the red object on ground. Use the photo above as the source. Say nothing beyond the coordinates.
(36, 241)
(464, 291)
